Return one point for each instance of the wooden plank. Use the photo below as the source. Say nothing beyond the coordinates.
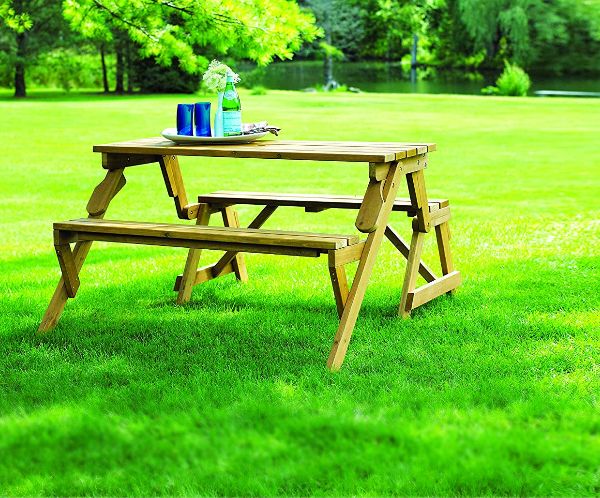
(366, 220)
(145, 145)
(311, 201)
(217, 234)
(68, 268)
(169, 166)
(346, 255)
(188, 276)
(164, 147)
(378, 171)
(202, 244)
(442, 233)
(230, 219)
(440, 216)
(339, 282)
(204, 274)
(80, 252)
(316, 143)
(433, 289)
(413, 164)
(412, 266)
(363, 274)
(398, 242)
(418, 196)
(118, 161)
(110, 186)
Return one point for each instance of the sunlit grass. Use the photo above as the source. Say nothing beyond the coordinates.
(492, 391)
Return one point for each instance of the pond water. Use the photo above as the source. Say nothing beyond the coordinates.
(391, 78)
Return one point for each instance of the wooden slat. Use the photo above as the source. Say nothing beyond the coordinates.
(113, 182)
(310, 201)
(230, 219)
(418, 196)
(117, 161)
(339, 282)
(201, 244)
(366, 220)
(363, 274)
(412, 266)
(209, 234)
(68, 267)
(346, 255)
(432, 290)
(440, 216)
(204, 274)
(442, 233)
(380, 152)
(429, 146)
(191, 264)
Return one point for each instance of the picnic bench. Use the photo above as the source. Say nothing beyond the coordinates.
(387, 163)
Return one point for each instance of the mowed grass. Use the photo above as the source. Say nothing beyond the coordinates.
(492, 391)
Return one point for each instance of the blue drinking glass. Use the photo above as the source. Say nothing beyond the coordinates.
(202, 116)
(185, 119)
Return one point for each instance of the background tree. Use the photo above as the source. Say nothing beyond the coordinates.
(186, 31)
(28, 28)
(343, 24)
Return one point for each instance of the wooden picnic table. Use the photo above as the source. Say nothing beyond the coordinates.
(385, 165)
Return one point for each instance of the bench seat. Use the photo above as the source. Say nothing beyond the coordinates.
(204, 237)
(310, 202)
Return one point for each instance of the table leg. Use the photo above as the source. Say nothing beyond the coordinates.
(412, 267)
(377, 218)
(424, 221)
(96, 207)
(339, 281)
(231, 219)
(188, 278)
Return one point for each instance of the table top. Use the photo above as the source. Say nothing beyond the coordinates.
(379, 152)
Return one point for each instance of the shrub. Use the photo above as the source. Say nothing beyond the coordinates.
(150, 77)
(258, 90)
(513, 82)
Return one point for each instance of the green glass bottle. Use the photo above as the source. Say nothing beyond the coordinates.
(232, 110)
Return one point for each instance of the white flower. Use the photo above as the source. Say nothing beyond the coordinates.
(215, 77)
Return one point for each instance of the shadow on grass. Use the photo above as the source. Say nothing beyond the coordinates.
(477, 388)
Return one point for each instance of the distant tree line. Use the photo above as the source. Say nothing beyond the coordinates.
(52, 41)
(555, 36)
(161, 45)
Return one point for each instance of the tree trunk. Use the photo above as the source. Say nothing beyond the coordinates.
(20, 88)
(119, 87)
(104, 71)
(330, 83)
(128, 66)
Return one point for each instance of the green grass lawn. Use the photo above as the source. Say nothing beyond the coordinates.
(492, 391)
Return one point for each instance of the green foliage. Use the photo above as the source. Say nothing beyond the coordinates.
(259, 30)
(251, 78)
(67, 69)
(513, 82)
(258, 90)
(344, 25)
(150, 77)
(18, 22)
(550, 35)
(329, 50)
(490, 392)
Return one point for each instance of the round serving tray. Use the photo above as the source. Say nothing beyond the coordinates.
(171, 134)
